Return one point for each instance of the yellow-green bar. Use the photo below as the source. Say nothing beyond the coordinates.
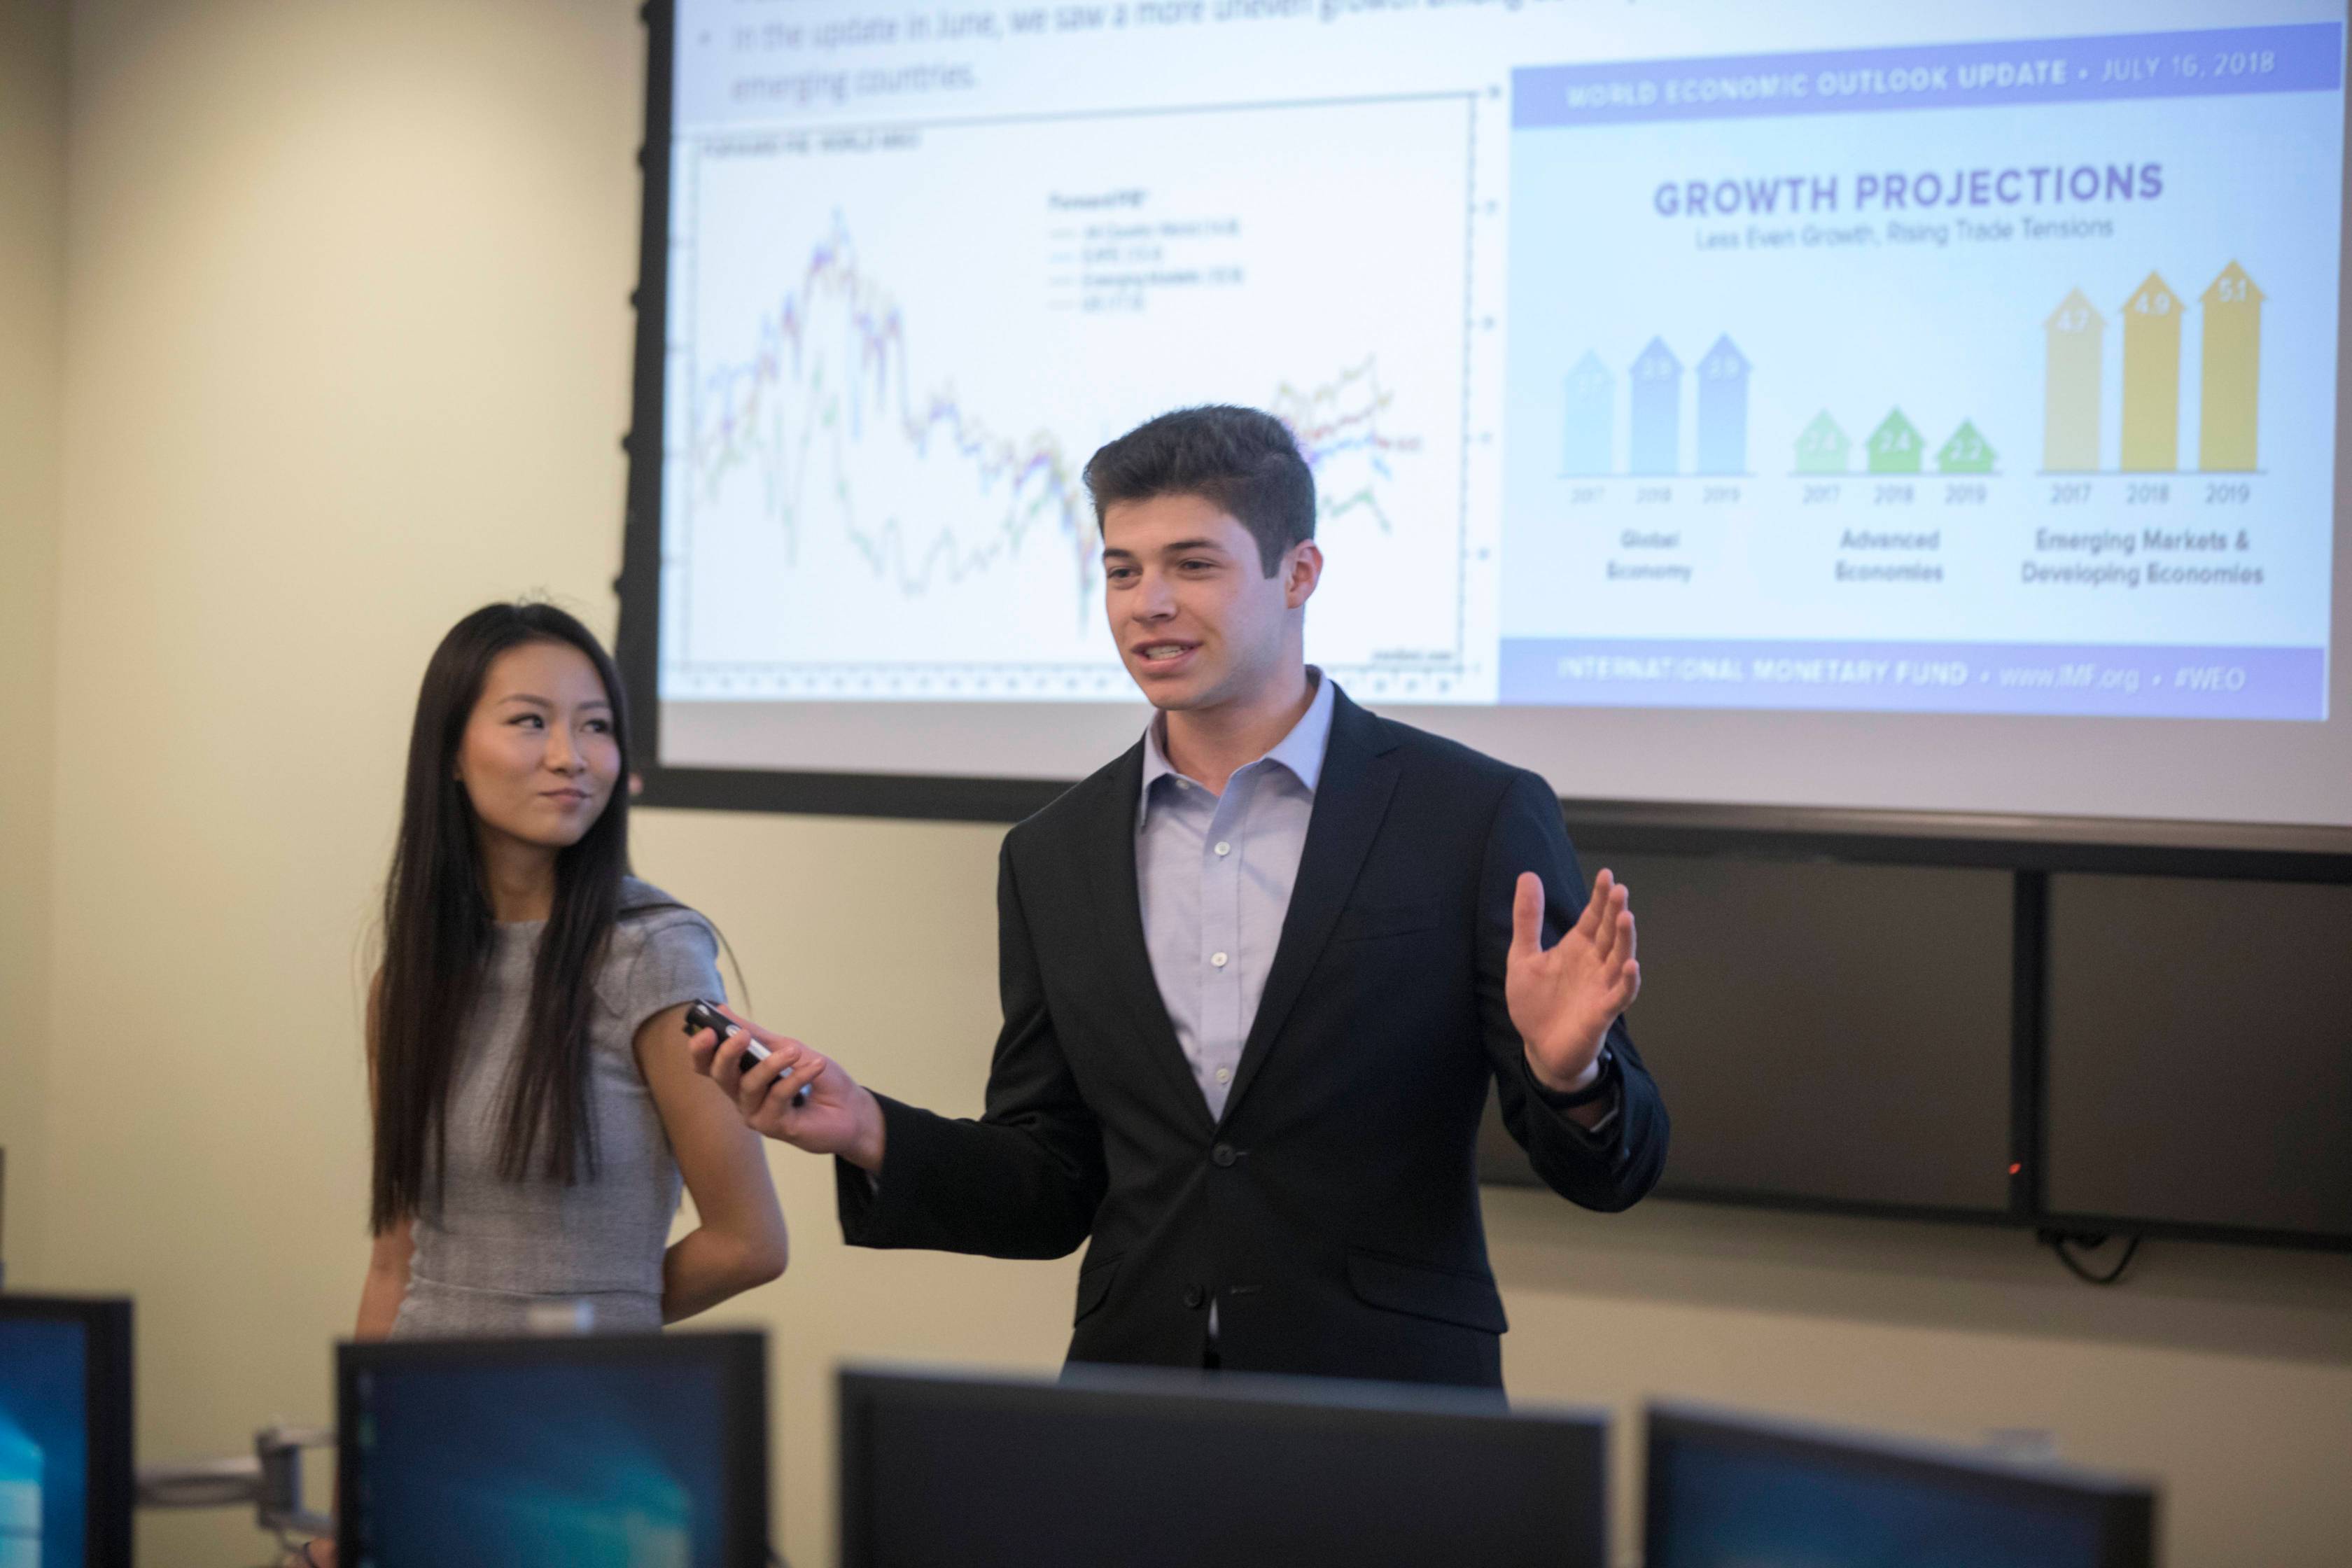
(2075, 346)
(2232, 373)
(2152, 379)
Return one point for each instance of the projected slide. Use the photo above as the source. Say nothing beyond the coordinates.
(1659, 366)
(1995, 377)
(895, 348)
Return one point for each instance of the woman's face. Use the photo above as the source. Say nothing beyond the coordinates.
(539, 757)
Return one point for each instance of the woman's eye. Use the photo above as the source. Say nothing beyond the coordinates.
(527, 719)
(600, 726)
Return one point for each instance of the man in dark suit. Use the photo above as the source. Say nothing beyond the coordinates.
(1258, 975)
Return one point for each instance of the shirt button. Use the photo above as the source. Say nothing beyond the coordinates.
(1224, 1075)
(1218, 959)
(1194, 1296)
(1224, 848)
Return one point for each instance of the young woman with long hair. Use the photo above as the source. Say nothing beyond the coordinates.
(535, 1103)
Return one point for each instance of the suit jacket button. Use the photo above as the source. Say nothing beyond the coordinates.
(1194, 1296)
(1222, 1154)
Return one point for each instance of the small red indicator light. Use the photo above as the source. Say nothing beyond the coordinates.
(2015, 1169)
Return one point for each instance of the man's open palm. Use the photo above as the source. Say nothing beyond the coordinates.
(1563, 1000)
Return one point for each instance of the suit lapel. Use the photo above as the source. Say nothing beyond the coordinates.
(1350, 799)
(1118, 900)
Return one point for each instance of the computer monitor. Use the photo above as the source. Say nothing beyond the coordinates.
(65, 1432)
(1726, 1490)
(1171, 1469)
(619, 1451)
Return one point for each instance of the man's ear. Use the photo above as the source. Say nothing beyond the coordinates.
(1302, 568)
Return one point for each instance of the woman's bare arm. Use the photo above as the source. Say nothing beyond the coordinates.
(741, 1242)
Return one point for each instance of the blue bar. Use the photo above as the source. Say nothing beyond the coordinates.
(1592, 417)
(2302, 57)
(1657, 410)
(1722, 409)
(2147, 682)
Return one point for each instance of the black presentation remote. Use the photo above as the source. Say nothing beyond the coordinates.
(702, 1016)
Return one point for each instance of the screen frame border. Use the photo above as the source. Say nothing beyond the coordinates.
(109, 1395)
(2127, 1510)
(740, 1355)
(1297, 1400)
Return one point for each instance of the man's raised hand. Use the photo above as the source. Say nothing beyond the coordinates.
(1562, 1000)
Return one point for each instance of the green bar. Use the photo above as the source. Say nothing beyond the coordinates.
(1823, 448)
(1966, 452)
(1895, 447)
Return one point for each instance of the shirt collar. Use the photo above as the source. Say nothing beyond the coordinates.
(1301, 751)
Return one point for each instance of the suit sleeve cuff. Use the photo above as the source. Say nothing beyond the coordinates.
(1601, 1134)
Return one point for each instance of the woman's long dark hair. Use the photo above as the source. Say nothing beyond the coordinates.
(438, 931)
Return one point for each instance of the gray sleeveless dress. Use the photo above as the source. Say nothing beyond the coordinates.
(498, 1257)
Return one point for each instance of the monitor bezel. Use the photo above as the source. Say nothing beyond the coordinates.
(1297, 1400)
(2124, 1508)
(109, 1390)
(740, 1355)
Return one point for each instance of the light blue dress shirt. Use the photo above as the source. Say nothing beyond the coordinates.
(1215, 873)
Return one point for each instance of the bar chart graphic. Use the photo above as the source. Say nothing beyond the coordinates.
(2229, 368)
(1657, 410)
(1591, 417)
(1823, 448)
(1968, 452)
(1895, 445)
(2152, 378)
(2076, 351)
(2231, 374)
(1655, 444)
(1793, 339)
(1722, 409)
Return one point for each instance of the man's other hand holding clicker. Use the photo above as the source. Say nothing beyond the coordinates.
(839, 1117)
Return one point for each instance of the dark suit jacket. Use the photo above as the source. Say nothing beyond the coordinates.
(1332, 1214)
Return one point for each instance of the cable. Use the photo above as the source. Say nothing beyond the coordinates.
(2062, 1244)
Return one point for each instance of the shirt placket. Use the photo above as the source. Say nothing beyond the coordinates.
(1221, 1025)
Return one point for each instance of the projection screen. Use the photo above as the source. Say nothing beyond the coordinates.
(1845, 408)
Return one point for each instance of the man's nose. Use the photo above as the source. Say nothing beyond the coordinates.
(1154, 599)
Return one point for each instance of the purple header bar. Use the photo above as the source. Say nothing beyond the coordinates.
(2303, 57)
(1919, 678)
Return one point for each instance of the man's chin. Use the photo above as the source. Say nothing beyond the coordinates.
(1173, 693)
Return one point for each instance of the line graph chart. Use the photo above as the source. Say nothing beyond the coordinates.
(793, 411)
(892, 351)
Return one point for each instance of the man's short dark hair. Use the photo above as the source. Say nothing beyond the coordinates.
(1243, 460)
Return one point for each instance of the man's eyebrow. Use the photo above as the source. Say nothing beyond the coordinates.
(1181, 545)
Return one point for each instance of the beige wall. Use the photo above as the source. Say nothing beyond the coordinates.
(32, 386)
(348, 354)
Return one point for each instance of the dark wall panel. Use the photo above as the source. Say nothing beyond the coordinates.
(2199, 1064)
(1824, 1032)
